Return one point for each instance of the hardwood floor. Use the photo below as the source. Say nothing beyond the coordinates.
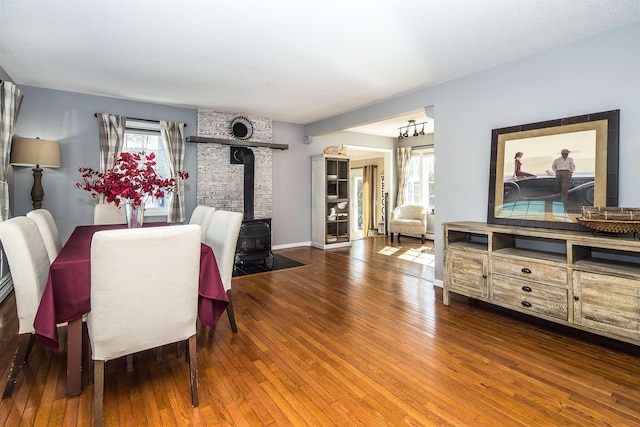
(353, 337)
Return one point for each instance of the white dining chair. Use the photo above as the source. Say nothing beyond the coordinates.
(48, 231)
(29, 266)
(144, 294)
(202, 216)
(222, 237)
(108, 213)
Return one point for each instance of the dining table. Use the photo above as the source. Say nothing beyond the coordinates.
(67, 296)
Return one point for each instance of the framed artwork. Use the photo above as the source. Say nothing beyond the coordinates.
(541, 174)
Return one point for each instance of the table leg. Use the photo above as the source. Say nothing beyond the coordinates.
(74, 357)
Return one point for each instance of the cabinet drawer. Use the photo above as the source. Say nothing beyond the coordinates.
(515, 285)
(530, 296)
(530, 270)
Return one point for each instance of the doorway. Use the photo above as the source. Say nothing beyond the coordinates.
(366, 196)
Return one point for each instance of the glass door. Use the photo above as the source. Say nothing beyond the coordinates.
(356, 204)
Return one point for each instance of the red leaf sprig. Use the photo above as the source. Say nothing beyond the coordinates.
(132, 180)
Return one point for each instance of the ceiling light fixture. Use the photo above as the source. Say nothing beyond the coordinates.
(407, 128)
(406, 131)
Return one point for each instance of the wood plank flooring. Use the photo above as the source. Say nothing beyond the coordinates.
(353, 337)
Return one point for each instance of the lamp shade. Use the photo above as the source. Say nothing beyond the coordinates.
(35, 152)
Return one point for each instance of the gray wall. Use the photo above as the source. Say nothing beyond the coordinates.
(69, 118)
(597, 73)
(291, 223)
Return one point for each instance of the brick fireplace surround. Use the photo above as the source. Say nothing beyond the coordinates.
(221, 184)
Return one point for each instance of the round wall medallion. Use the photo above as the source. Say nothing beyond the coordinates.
(241, 128)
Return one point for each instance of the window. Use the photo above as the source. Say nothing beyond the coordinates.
(145, 136)
(420, 186)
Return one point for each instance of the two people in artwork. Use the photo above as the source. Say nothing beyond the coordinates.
(562, 168)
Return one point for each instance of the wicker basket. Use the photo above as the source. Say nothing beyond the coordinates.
(610, 225)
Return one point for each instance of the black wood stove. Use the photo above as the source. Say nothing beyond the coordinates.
(254, 240)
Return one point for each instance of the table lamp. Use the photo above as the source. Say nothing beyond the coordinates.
(37, 153)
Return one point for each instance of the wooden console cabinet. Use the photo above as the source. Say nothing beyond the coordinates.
(573, 278)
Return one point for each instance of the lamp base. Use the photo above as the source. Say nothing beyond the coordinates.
(37, 193)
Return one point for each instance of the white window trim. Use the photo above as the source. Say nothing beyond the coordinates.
(146, 128)
(420, 153)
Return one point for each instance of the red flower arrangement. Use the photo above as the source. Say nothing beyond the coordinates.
(132, 180)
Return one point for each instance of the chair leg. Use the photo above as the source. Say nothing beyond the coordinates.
(398, 237)
(180, 349)
(391, 234)
(92, 365)
(32, 341)
(25, 344)
(423, 239)
(193, 368)
(86, 353)
(98, 392)
(232, 317)
(91, 370)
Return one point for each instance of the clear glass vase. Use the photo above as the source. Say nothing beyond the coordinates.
(134, 215)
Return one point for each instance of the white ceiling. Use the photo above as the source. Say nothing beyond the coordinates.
(290, 60)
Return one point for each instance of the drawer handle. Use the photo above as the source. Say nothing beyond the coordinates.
(526, 270)
(526, 304)
(526, 289)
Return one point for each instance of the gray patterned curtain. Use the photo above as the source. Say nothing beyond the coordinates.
(404, 157)
(10, 101)
(369, 175)
(173, 140)
(111, 140)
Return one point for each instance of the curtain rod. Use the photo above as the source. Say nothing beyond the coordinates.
(141, 120)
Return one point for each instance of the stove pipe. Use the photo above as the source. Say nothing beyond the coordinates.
(244, 155)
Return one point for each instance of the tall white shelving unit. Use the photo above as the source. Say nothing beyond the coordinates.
(330, 201)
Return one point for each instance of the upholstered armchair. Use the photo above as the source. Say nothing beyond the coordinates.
(408, 219)
(222, 237)
(48, 231)
(202, 216)
(144, 294)
(29, 264)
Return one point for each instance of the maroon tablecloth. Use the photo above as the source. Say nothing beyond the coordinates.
(67, 293)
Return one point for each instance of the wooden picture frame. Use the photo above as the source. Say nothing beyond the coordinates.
(534, 197)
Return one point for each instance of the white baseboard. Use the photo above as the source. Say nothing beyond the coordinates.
(291, 245)
(438, 283)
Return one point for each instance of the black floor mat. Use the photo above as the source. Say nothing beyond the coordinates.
(278, 262)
